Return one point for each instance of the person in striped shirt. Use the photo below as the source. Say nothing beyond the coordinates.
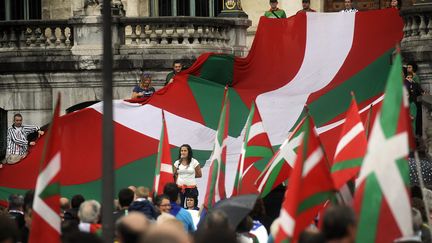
(17, 143)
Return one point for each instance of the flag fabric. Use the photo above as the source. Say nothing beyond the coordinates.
(215, 190)
(255, 154)
(351, 148)
(280, 165)
(311, 64)
(382, 199)
(309, 187)
(164, 168)
(46, 203)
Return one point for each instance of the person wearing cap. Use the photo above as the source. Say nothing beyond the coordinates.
(306, 7)
(274, 11)
(144, 88)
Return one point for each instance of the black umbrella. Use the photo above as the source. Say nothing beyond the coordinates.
(237, 208)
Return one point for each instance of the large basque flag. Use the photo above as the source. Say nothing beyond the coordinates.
(312, 58)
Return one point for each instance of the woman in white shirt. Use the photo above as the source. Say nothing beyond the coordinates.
(186, 169)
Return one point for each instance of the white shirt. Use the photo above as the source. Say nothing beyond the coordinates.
(186, 173)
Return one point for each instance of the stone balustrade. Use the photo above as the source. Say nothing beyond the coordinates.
(34, 35)
(150, 35)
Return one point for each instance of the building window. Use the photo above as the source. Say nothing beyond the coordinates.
(183, 7)
(20, 9)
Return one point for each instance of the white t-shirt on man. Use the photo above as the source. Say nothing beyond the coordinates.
(186, 173)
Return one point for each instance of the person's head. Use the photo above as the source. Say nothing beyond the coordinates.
(245, 225)
(89, 212)
(409, 77)
(273, 4)
(64, 204)
(125, 197)
(16, 202)
(168, 225)
(411, 68)
(306, 4)
(17, 120)
(177, 66)
(348, 4)
(394, 4)
(9, 230)
(185, 152)
(215, 219)
(77, 200)
(132, 227)
(145, 80)
(339, 222)
(172, 191)
(163, 203)
(142, 192)
(190, 203)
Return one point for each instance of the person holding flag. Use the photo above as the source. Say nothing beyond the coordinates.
(186, 169)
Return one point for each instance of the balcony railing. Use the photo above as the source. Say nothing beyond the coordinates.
(417, 22)
(132, 35)
(35, 35)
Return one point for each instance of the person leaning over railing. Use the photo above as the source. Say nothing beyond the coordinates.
(17, 143)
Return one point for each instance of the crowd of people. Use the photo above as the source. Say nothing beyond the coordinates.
(139, 218)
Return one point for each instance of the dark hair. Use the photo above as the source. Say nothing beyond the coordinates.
(17, 115)
(160, 238)
(127, 234)
(16, 201)
(172, 191)
(159, 199)
(76, 201)
(189, 157)
(177, 61)
(125, 197)
(413, 64)
(336, 222)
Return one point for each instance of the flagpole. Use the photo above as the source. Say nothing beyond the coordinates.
(107, 128)
(422, 186)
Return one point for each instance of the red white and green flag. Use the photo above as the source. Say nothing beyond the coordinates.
(351, 148)
(255, 154)
(163, 169)
(280, 165)
(382, 199)
(311, 64)
(309, 186)
(46, 203)
(216, 179)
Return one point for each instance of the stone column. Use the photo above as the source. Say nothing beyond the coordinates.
(232, 9)
(132, 8)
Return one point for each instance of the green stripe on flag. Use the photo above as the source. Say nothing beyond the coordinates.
(314, 200)
(347, 164)
(258, 151)
(50, 190)
(366, 84)
(370, 210)
(272, 178)
(403, 167)
(392, 103)
(219, 69)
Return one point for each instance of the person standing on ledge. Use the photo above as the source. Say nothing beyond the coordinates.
(275, 12)
(306, 7)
